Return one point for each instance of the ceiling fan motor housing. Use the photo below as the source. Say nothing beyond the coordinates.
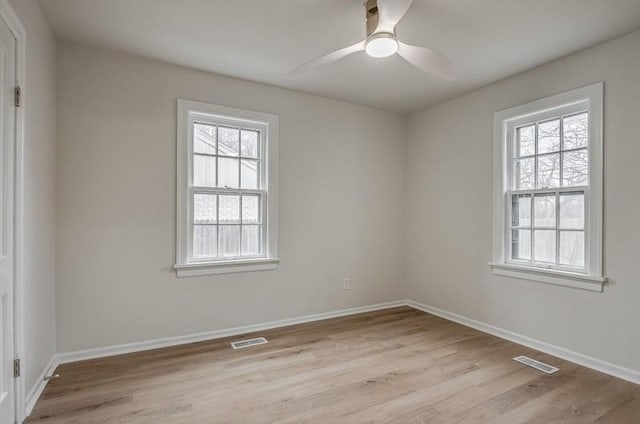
(371, 6)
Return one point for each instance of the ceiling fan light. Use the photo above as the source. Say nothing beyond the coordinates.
(381, 45)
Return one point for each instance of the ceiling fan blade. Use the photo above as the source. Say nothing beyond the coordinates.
(428, 60)
(331, 57)
(390, 12)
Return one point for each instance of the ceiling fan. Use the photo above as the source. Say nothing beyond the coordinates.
(382, 41)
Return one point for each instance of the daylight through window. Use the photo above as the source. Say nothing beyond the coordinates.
(548, 190)
(549, 184)
(226, 187)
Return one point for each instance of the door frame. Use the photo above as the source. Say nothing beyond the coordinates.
(8, 15)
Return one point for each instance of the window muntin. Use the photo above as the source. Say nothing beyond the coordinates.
(548, 190)
(226, 211)
(568, 189)
(226, 190)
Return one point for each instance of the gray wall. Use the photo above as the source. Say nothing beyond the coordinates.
(355, 199)
(39, 191)
(341, 204)
(449, 210)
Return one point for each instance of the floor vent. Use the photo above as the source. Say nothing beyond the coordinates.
(250, 342)
(540, 366)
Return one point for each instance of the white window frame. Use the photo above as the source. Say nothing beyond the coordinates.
(589, 99)
(188, 113)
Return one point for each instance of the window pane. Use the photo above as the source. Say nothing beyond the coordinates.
(204, 139)
(549, 171)
(249, 176)
(544, 210)
(249, 143)
(228, 141)
(572, 210)
(205, 241)
(204, 171)
(251, 239)
(204, 208)
(251, 209)
(544, 249)
(575, 168)
(549, 136)
(521, 244)
(572, 248)
(228, 172)
(229, 240)
(525, 141)
(521, 210)
(523, 174)
(576, 131)
(229, 209)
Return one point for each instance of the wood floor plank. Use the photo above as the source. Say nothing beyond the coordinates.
(396, 366)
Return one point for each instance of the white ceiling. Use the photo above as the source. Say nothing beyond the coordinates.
(261, 40)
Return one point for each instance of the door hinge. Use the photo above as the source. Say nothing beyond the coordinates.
(17, 96)
(16, 368)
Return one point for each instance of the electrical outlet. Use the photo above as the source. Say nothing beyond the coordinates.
(346, 283)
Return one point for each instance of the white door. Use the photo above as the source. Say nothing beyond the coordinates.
(7, 139)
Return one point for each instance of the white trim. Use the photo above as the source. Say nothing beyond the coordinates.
(37, 389)
(189, 112)
(216, 334)
(575, 357)
(589, 98)
(228, 267)
(555, 277)
(15, 26)
(566, 354)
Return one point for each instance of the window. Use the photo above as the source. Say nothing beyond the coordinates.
(548, 190)
(226, 172)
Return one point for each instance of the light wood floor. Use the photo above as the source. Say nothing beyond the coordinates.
(394, 366)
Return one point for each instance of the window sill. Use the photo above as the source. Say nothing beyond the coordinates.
(558, 278)
(227, 267)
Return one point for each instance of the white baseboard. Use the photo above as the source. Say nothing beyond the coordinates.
(38, 387)
(575, 357)
(102, 352)
(571, 356)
